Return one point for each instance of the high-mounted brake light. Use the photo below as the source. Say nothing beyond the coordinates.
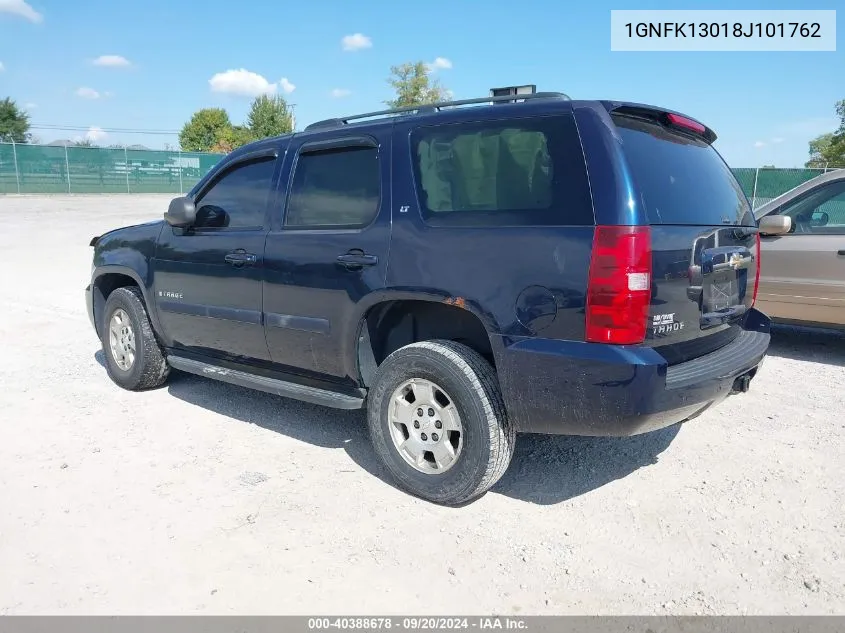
(619, 285)
(682, 121)
(757, 273)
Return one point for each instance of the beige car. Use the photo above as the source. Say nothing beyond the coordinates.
(802, 278)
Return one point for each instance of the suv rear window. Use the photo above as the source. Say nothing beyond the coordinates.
(681, 179)
(514, 172)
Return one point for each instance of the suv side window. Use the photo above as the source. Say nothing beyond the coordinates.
(820, 212)
(516, 172)
(238, 199)
(335, 188)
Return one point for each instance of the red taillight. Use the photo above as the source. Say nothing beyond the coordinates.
(619, 286)
(682, 121)
(757, 273)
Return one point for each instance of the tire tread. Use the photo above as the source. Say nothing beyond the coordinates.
(154, 370)
(483, 381)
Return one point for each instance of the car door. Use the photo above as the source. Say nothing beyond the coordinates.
(208, 277)
(328, 250)
(803, 272)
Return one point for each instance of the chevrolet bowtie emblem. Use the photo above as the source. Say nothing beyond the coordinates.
(736, 261)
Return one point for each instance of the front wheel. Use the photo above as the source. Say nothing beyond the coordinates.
(438, 422)
(134, 359)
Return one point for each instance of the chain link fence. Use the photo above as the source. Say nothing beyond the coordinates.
(72, 169)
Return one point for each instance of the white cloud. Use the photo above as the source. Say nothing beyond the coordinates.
(112, 61)
(2, 67)
(440, 63)
(22, 9)
(30, 106)
(245, 83)
(286, 86)
(95, 134)
(87, 93)
(356, 42)
(339, 93)
(777, 140)
(759, 144)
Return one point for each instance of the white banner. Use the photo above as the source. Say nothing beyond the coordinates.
(723, 30)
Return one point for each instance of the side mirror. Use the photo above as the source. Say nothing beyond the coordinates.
(775, 225)
(211, 216)
(181, 212)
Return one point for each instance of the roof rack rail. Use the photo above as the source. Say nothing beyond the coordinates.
(434, 107)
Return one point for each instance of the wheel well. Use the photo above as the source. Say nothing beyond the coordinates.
(394, 324)
(103, 287)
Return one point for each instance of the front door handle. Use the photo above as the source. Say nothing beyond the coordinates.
(355, 260)
(240, 258)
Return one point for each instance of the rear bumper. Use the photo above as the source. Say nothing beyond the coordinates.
(571, 388)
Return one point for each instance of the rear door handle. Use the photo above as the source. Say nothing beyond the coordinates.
(354, 261)
(240, 258)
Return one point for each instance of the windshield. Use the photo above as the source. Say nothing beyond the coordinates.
(681, 179)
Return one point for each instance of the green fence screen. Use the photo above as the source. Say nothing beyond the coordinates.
(764, 183)
(59, 169)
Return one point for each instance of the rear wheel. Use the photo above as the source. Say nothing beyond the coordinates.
(438, 423)
(134, 359)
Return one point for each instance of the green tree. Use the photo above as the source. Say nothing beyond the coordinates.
(413, 84)
(206, 128)
(14, 123)
(269, 116)
(84, 142)
(232, 138)
(828, 150)
(819, 150)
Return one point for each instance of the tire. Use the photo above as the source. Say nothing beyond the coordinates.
(466, 380)
(149, 368)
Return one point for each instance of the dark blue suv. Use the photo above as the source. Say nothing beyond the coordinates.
(465, 271)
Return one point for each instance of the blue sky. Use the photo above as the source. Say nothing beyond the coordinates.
(764, 106)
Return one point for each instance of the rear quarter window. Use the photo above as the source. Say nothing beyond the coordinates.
(515, 172)
(680, 179)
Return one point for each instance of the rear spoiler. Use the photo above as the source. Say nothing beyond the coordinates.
(676, 120)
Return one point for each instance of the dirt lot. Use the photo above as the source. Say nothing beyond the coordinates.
(207, 498)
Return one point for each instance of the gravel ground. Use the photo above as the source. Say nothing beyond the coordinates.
(202, 497)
